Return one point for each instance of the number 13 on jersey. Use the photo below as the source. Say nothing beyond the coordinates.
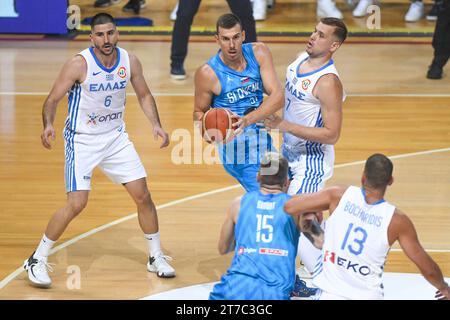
(359, 236)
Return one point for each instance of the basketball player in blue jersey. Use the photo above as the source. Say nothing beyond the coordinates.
(235, 79)
(360, 231)
(95, 135)
(264, 239)
(312, 117)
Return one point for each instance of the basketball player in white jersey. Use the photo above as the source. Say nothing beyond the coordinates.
(360, 231)
(312, 118)
(95, 135)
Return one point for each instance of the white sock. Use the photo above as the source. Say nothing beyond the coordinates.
(308, 253)
(43, 250)
(154, 244)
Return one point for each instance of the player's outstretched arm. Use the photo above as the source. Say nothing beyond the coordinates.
(402, 229)
(146, 100)
(74, 70)
(227, 241)
(326, 199)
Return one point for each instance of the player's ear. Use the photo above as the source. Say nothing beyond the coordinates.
(286, 184)
(391, 181)
(243, 35)
(334, 46)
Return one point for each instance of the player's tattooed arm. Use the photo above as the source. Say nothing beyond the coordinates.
(311, 228)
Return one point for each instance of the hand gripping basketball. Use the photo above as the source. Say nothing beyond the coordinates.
(217, 125)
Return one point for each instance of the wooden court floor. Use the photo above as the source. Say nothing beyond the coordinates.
(391, 108)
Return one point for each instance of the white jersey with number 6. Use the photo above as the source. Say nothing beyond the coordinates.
(97, 105)
(355, 248)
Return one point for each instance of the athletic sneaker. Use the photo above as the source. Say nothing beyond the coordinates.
(361, 8)
(415, 12)
(37, 271)
(327, 8)
(105, 3)
(177, 71)
(131, 6)
(160, 266)
(351, 3)
(301, 290)
(173, 14)
(259, 10)
(432, 15)
(434, 72)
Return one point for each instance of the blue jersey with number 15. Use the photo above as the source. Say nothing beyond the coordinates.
(263, 266)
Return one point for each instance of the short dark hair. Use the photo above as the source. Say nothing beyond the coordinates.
(227, 21)
(274, 169)
(340, 29)
(378, 170)
(102, 18)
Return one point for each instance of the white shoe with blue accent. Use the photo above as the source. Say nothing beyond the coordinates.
(37, 270)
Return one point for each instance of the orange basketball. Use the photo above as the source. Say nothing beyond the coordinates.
(217, 125)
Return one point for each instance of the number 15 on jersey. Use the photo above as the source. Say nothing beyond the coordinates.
(264, 230)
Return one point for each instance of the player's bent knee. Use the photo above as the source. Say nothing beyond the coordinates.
(76, 207)
(143, 198)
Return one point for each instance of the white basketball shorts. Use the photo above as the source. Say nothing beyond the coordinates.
(112, 152)
(310, 171)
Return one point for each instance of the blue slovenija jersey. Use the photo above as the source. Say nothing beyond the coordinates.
(241, 91)
(263, 266)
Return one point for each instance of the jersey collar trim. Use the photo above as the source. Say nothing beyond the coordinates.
(100, 65)
(312, 72)
(371, 204)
